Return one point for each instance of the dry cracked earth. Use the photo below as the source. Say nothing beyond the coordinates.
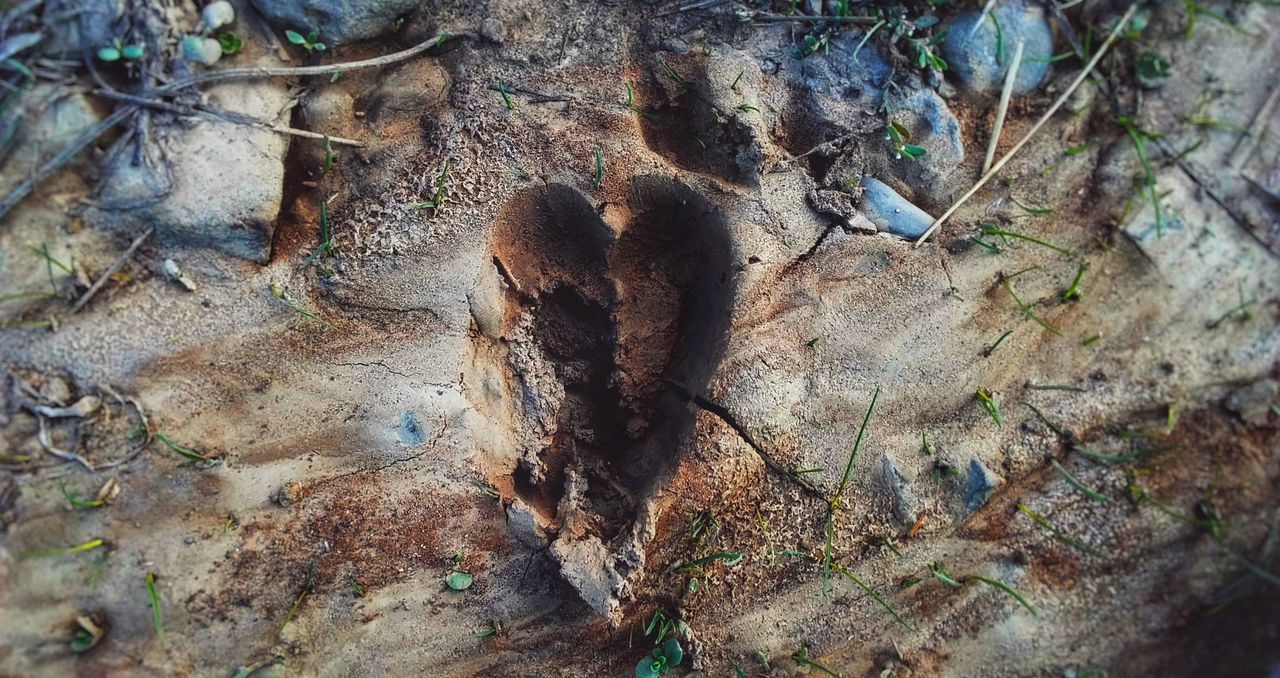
(590, 302)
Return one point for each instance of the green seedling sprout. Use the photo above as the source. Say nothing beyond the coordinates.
(1026, 309)
(117, 50)
(326, 240)
(309, 42)
(942, 576)
(996, 583)
(1139, 137)
(154, 599)
(1151, 70)
(801, 658)
(1240, 310)
(70, 550)
(989, 404)
(999, 38)
(328, 155)
(1031, 209)
(734, 85)
(1052, 427)
(1054, 387)
(727, 558)
(599, 175)
(1195, 10)
(991, 248)
(874, 595)
(75, 502)
(835, 499)
(183, 451)
(87, 634)
(986, 352)
(1073, 292)
(506, 98)
(297, 602)
(836, 567)
(49, 263)
(748, 108)
(898, 136)
(992, 229)
(1090, 339)
(768, 540)
(1057, 533)
(703, 527)
(671, 72)
(486, 490)
(661, 660)
(865, 37)
(231, 43)
(813, 342)
(888, 543)
(459, 580)
(925, 447)
(295, 306)
(1077, 484)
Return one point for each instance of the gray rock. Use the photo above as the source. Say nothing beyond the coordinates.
(50, 117)
(936, 128)
(1253, 402)
(336, 21)
(215, 184)
(903, 499)
(978, 486)
(79, 25)
(971, 54)
(892, 212)
(492, 30)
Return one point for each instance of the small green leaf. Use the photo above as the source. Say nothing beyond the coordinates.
(942, 576)
(154, 599)
(82, 642)
(319, 47)
(672, 651)
(132, 52)
(459, 581)
(230, 42)
(312, 37)
(1151, 69)
(295, 37)
(912, 151)
(109, 54)
(182, 450)
(646, 668)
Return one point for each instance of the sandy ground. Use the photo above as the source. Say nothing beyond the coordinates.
(578, 376)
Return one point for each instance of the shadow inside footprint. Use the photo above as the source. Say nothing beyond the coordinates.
(597, 329)
(685, 126)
